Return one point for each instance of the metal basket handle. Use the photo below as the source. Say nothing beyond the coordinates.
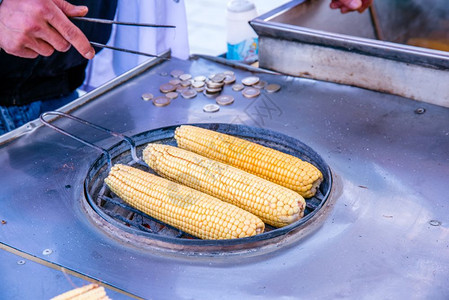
(129, 140)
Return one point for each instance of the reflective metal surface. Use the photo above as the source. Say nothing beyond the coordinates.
(386, 234)
(308, 39)
(23, 278)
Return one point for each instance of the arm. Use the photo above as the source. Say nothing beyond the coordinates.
(350, 5)
(29, 28)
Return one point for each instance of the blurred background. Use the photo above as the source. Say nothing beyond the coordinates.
(206, 21)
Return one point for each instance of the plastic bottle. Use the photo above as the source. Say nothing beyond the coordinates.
(242, 41)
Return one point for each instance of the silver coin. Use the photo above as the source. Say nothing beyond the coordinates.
(229, 73)
(250, 80)
(186, 83)
(260, 85)
(273, 88)
(200, 89)
(161, 101)
(229, 79)
(175, 82)
(167, 88)
(218, 78)
(176, 73)
(147, 96)
(185, 77)
(181, 89)
(214, 85)
(250, 92)
(224, 100)
(198, 84)
(172, 95)
(238, 87)
(189, 94)
(211, 108)
(210, 95)
(211, 90)
(200, 78)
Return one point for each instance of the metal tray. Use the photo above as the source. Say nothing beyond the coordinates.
(308, 39)
(382, 233)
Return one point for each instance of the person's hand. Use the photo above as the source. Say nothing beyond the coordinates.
(350, 5)
(29, 28)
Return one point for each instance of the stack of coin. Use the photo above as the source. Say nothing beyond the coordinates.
(199, 83)
(214, 85)
(229, 77)
(182, 83)
(211, 86)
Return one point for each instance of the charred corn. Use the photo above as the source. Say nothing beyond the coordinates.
(274, 204)
(182, 207)
(273, 165)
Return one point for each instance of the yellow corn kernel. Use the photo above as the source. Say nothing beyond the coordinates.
(274, 204)
(91, 291)
(180, 206)
(273, 165)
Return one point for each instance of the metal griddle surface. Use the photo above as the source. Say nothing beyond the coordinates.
(386, 236)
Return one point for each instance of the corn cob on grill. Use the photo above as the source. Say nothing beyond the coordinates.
(274, 204)
(273, 165)
(187, 209)
(88, 292)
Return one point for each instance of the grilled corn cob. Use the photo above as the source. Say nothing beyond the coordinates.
(182, 207)
(273, 165)
(87, 292)
(274, 204)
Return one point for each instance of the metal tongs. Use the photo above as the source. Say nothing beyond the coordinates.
(127, 139)
(111, 22)
(376, 24)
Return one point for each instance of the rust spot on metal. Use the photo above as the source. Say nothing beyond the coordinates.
(305, 74)
(68, 166)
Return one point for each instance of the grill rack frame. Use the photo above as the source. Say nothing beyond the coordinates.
(97, 194)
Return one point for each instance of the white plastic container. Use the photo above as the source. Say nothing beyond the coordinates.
(242, 41)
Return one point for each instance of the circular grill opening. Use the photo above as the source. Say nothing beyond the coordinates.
(123, 221)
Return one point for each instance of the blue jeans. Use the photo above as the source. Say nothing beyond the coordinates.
(12, 117)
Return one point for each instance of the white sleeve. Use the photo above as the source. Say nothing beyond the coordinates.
(110, 63)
